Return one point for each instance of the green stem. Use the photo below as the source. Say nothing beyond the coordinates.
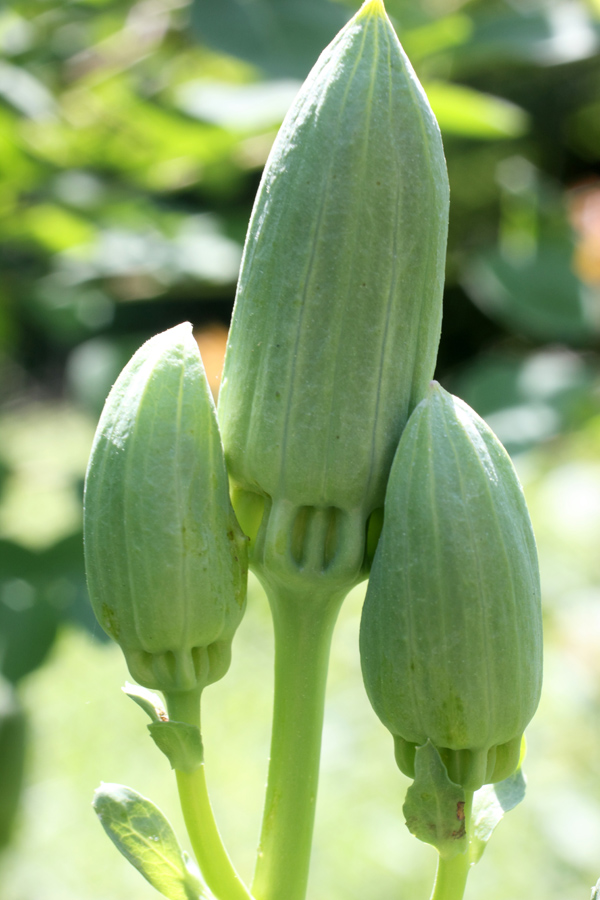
(213, 860)
(451, 876)
(303, 631)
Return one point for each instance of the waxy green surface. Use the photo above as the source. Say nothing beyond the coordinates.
(451, 637)
(165, 558)
(338, 312)
(143, 835)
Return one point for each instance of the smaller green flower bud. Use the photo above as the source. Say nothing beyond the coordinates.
(166, 560)
(451, 635)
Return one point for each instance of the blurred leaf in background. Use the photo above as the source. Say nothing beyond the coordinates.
(12, 757)
(280, 37)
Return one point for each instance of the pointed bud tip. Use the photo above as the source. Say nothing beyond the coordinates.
(179, 335)
(180, 332)
(435, 393)
(183, 328)
(372, 8)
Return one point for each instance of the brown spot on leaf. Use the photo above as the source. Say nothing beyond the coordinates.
(460, 810)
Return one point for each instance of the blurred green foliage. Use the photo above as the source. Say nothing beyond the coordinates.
(132, 137)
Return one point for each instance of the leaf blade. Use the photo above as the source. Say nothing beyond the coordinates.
(180, 742)
(489, 805)
(469, 113)
(434, 805)
(145, 838)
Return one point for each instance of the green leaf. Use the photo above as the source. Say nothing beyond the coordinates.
(142, 834)
(539, 297)
(596, 891)
(489, 805)
(433, 37)
(514, 35)
(13, 737)
(24, 92)
(147, 700)
(27, 623)
(282, 37)
(435, 807)
(241, 107)
(56, 228)
(469, 113)
(181, 743)
(527, 398)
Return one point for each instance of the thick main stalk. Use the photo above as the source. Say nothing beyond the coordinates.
(302, 644)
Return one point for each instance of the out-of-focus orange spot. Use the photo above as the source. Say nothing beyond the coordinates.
(212, 340)
(585, 218)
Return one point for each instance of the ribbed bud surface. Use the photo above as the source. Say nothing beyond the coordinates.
(338, 312)
(165, 557)
(451, 638)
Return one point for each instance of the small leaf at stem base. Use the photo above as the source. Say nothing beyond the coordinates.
(435, 807)
(181, 743)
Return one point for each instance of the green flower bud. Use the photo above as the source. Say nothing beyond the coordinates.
(338, 312)
(165, 557)
(451, 634)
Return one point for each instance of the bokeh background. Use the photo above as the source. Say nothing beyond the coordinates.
(132, 138)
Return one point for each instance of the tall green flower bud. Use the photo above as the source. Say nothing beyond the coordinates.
(337, 317)
(451, 635)
(165, 557)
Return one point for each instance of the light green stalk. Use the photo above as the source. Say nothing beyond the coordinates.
(305, 590)
(451, 876)
(302, 645)
(216, 867)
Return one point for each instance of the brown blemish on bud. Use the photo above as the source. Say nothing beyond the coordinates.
(460, 832)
